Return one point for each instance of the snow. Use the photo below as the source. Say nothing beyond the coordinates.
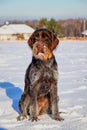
(72, 88)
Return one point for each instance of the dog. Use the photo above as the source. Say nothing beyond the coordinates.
(40, 90)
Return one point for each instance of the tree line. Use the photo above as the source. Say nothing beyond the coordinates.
(62, 28)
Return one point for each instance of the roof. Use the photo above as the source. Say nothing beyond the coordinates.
(6, 30)
(84, 32)
(15, 29)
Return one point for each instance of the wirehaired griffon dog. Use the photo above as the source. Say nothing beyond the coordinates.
(40, 91)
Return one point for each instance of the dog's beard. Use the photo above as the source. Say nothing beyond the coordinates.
(42, 53)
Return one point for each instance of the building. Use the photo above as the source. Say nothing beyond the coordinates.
(15, 32)
(84, 33)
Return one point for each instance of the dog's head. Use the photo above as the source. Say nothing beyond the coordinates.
(43, 42)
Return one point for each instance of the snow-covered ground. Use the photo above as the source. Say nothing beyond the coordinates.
(72, 88)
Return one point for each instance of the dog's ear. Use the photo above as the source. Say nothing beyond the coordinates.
(55, 41)
(31, 41)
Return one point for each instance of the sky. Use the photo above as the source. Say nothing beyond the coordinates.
(37, 9)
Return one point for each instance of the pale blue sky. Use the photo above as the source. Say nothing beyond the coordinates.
(59, 9)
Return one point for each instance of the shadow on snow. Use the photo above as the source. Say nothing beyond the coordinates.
(2, 128)
(13, 92)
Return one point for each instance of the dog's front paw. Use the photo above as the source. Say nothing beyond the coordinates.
(58, 118)
(21, 117)
(34, 118)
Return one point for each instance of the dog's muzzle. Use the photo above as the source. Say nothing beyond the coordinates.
(41, 51)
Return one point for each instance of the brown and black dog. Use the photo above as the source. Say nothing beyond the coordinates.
(40, 91)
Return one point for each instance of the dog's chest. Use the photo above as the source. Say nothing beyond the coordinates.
(43, 72)
(46, 78)
(47, 73)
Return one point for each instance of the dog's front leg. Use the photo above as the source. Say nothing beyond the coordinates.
(23, 106)
(54, 101)
(33, 104)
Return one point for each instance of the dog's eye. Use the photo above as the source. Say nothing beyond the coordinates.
(37, 35)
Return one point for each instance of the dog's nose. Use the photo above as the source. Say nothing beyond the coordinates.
(40, 46)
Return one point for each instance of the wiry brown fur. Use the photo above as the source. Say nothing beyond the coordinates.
(40, 91)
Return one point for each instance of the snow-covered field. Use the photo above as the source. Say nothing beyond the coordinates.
(72, 90)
